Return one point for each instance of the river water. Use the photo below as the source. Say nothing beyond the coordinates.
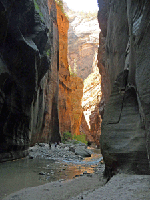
(23, 173)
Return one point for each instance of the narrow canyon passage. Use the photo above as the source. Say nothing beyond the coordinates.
(79, 78)
(66, 95)
(74, 100)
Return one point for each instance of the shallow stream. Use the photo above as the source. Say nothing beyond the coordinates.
(23, 173)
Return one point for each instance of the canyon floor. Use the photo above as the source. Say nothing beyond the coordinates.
(90, 186)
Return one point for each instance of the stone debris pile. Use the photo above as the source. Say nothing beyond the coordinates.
(67, 152)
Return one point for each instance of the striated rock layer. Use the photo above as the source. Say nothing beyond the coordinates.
(90, 104)
(70, 87)
(29, 65)
(125, 74)
(64, 75)
(82, 42)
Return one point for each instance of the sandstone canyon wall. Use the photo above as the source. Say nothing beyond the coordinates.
(70, 86)
(82, 41)
(123, 61)
(91, 120)
(82, 58)
(29, 49)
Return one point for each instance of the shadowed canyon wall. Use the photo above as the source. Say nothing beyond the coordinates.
(29, 49)
(123, 61)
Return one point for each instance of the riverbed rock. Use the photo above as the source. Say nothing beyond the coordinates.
(82, 152)
(72, 148)
(42, 144)
(42, 173)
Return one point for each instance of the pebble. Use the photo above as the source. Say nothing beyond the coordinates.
(31, 157)
(46, 189)
(85, 172)
(41, 173)
(61, 180)
(89, 175)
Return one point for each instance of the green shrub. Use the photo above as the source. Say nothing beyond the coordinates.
(66, 136)
(38, 9)
(80, 138)
(48, 52)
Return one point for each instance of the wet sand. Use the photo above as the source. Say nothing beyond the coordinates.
(120, 187)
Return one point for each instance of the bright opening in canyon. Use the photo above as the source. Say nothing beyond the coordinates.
(82, 5)
(81, 113)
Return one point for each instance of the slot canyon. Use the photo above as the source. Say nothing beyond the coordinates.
(74, 100)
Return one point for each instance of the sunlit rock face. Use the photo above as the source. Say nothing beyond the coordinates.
(29, 76)
(90, 103)
(76, 86)
(70, 87)
(64, 75)
(125, 71)
(82, 57)
(82, 41)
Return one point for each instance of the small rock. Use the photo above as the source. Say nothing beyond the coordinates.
(46, 189)
(31, 157)
(89, 175)
(66, 148)
(41, 144)
(85, 172)
(61, 180)
(72, 148)
(41, 173)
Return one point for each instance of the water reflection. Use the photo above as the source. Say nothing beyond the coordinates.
(25, 172)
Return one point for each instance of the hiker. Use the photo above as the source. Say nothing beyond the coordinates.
(55, 144)
(49, 145)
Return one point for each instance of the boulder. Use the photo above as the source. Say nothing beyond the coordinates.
(82, 152)
(72, 148)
